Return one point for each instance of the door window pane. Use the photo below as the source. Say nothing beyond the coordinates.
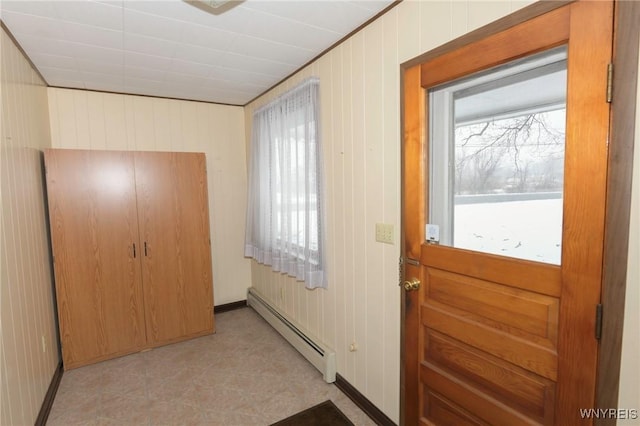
(497, 159)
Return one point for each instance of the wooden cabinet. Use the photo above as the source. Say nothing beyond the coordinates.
(132, 259)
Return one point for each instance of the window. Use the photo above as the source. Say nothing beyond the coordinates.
(497, 159)
(284, 212)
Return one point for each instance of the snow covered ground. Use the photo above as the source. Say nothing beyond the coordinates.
(529, 229)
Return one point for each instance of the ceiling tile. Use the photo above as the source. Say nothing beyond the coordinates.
(55, 75)
(37, 26)
(191, 53)
(157, 74)
(91, 53)
(234, 75)
(149, 45)
(259, 24)
(136, 85)
(38, 8)
(211, 38)
(193, 69)
(100, 66)
(170, 48)
(95, 36)
(375, 6)
(263, 66)
(90, 13)
(153, 26)
(337, 16)
(139, 60)
(184, 81)
(266, 49)
(55, 61)
(114, 80)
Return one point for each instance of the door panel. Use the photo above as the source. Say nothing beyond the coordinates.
(92, 210)
(492, 339)
(174, 230)
(516, 386)
(528, 315)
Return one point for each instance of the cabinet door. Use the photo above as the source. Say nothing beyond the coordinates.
(174, 227)
(94, 229)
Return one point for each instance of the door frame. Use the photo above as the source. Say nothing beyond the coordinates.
(618, 201)
(626, 41)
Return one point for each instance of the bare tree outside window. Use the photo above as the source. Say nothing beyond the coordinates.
(520, 154)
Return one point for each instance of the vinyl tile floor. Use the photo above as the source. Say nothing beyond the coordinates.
(245, 374)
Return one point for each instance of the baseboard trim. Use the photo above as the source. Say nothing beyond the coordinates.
(43, 415)
(361, 401)
(230, 306)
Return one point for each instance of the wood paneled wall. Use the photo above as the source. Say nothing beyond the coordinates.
(361, 136)
(28, 343)
(360, 82)
(96, 120)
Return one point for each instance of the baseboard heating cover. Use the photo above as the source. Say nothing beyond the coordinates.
(323, 358)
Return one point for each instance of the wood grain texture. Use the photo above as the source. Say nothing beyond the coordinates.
(523, 274)
(531, 11)
(620, 169)
(412, 235)
(515, 316)
(92, 210)
(413, 163)
(480, 404)
(529, 37)
(587, 137)
(517, 387)
(525, 313)
(447, 412)
(499, 343)
(174, 240)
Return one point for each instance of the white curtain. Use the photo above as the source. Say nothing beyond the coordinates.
(285, 218)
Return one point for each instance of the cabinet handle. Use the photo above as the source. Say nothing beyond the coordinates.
(145, 249)
(134, 250)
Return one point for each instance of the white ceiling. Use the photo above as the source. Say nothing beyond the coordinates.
(172, 49)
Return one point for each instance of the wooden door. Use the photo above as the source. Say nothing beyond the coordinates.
(174, 237)
(490, 339)
(94, 231)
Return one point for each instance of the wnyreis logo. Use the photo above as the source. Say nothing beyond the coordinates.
(609, 413)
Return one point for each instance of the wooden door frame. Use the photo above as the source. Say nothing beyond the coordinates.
(618, 205)
(618, 202)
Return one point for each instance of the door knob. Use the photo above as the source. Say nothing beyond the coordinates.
(412, 284)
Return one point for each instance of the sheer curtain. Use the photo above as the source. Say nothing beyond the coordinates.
(285, 208)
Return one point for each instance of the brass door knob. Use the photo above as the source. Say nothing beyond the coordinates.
(412, 284)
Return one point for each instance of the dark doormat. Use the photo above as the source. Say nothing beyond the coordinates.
(323, 414)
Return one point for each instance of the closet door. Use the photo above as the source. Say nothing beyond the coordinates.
(94, 231)
(174, 228)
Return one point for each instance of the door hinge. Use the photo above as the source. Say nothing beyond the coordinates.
(598, 321)
(609, 83)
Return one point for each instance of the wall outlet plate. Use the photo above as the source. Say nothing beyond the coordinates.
(384, 233)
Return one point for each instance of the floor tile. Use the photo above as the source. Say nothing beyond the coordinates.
(245, 374)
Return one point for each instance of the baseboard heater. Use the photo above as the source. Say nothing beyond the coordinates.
(323, 358)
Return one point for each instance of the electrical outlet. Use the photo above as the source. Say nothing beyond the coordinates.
(384, 233)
